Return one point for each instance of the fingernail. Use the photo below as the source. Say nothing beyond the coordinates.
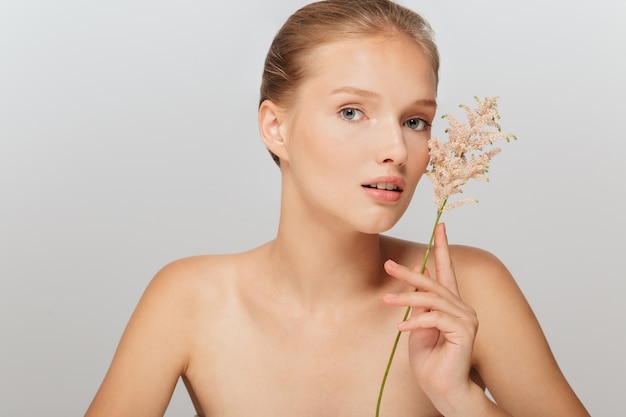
(391, 296)
(392, 262)
(403, 325)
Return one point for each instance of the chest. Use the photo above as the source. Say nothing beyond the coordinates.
(287, 369)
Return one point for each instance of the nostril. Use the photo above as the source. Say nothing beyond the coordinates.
(392, 161)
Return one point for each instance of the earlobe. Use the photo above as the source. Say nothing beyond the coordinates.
(270, 126)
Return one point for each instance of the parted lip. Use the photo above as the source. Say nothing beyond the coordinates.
(386, 182)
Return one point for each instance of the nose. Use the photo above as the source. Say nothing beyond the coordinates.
(392, 148)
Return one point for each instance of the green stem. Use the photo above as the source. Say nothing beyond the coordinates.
(408, 310)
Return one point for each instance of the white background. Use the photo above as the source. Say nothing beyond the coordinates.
(128, 139)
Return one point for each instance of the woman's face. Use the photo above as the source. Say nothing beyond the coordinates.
(356, 138)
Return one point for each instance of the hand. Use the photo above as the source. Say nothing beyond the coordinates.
(442, 327)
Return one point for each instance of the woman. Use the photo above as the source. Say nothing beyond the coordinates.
(303, 325)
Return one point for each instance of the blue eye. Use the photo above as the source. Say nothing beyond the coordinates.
(351, 114)
(416, 123)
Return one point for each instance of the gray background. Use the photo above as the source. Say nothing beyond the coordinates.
(128, 139)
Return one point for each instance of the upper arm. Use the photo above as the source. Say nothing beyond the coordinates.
(511, 352)
(152, 352)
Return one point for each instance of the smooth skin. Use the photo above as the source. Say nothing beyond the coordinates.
(303, 325)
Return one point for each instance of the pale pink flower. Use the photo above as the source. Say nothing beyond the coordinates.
(464, 157)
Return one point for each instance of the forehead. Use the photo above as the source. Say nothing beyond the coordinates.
(371, 62)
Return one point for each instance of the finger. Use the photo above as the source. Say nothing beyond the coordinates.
(421, 282)
(427, 301)
(443, 263)
(455, 329)
(411, 277)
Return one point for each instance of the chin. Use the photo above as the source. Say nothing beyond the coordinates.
(377, 228)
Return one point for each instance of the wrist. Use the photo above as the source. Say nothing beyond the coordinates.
(472, 402)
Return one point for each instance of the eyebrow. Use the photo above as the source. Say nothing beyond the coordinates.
(355, 91)
(368, 93)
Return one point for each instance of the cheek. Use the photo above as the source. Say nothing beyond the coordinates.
(420, 157)
(314, 148)
(328, 143)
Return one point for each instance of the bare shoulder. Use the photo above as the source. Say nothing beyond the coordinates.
(473, 266)
(178, 305)
(511, 353)
(198, 292)
(187, 275)
(158, 343)
(487, 285)
(198, 281)
(179, 293)
(480, 273)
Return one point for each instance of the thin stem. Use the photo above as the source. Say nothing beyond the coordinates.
(408, 310)
(432, 235)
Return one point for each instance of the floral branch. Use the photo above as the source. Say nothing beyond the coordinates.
(452, 164)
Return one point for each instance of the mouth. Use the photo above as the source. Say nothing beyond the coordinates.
(383, 186)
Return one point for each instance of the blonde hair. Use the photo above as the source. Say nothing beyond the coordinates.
(327, 21)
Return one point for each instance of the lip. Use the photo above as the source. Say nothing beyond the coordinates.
(387, 179)
(384, 194)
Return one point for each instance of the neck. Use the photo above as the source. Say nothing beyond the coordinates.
(322, 268)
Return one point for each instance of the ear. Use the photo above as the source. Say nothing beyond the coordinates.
(271, 126)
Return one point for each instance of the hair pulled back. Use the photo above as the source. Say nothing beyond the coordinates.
(327, 21)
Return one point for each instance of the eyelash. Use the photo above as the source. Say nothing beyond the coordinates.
(346, 119)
